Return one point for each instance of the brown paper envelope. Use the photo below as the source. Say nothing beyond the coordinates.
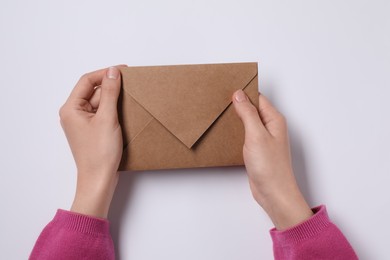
(182, 116)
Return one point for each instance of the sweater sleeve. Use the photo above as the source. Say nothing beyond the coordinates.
(316, 238)
(74, 236)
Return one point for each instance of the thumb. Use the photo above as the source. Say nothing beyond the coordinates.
(248, 114)
(110, 90)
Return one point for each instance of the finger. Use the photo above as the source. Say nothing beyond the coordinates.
(110, 90)
(86, 85)
(272, 119)
(248, 114)
(95, 99)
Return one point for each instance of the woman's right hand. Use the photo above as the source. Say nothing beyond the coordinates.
(267, 160)
(90, 122)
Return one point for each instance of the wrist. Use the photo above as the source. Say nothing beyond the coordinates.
(93, 197)
(286, 207)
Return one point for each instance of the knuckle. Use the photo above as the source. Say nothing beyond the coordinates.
(63, 113)
(250, 110)
(281, 122)
(258, 138)
(111, 86)
(106, 119)
(84, 77)
(282, 119)
(108, 88)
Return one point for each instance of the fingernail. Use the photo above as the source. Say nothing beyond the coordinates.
(240, 96)
(112, 73)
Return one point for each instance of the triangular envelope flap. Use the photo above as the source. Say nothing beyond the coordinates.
(187, 99)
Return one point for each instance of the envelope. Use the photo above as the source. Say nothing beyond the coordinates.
(182, 116)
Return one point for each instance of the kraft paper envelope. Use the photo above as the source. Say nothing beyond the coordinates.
(182, 116)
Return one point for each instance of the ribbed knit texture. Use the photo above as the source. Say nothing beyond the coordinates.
(316, 238)
(81, 223)
(74, 236)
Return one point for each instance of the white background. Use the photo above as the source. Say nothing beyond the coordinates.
(324, 64)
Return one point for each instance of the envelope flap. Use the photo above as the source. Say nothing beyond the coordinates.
(187, 99)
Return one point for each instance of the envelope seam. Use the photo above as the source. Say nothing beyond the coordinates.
(146, 125)
(223, 111)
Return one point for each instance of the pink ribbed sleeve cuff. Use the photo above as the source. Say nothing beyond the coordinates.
(305, 230)
(315, 238)
(74, 236)
(81, 223)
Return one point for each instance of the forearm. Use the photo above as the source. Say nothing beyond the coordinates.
(285, 206)
(93, 198)
(301, 232)
(90, 122)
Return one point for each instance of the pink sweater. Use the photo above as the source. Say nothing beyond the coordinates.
(74, 236)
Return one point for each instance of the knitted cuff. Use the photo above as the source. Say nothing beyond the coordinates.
(309, 228)
(81, 223)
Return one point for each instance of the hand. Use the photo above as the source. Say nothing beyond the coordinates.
(90, 122)
(267, 160)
